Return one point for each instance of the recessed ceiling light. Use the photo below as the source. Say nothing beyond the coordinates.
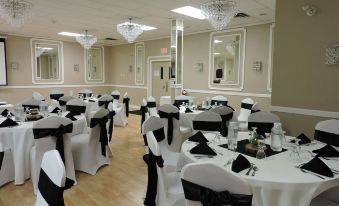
(217, 41)
(144, 27)
(190, 11)
(65, 33)
(45, 48)
(216, 53)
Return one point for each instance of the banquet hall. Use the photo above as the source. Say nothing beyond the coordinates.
(169, 102)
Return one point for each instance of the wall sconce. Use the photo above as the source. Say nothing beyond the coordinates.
(310, 10)
(257, 65)
(332, 55)
(14, 65)
(199, 67)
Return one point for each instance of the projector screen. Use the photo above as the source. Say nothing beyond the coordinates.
(3, 71)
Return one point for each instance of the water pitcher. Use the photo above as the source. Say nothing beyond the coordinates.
(277, 137)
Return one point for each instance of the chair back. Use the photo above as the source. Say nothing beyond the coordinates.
(226, 114)
(181, 99)
(31, 103)
(218, 180)
(76, 106)
(38, 96)
(152, 106)
(263, 121)
(207, 121)
(56, 94)
(85, 92)
(245, 110)
(104, 100)
(52, 180)
(219, 100)
(328, 132)
(63, 101)
(98, 134)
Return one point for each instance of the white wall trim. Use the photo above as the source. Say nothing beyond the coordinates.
(270, 58)
(129, 86)
(95, 81)
(69, 86)
(243, 94)
(308, 112)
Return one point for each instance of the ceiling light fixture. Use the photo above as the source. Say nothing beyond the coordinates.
(65, 33)
(219, 12)
(130, 31)
(15, 12)
(217, 41)
(190, 11)
(86, 40)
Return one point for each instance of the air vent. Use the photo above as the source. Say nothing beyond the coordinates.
(242, 15)
(110, 39)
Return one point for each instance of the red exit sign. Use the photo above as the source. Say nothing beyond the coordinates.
(164, 51)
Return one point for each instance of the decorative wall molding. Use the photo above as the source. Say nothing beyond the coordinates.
(70, 86)
(129, 86)
(243, 94)
(307, 112)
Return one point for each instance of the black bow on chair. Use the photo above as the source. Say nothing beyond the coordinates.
(56, 96)
(151, 104)
(59, 134)
(2, 154)
(126, 102)
(246, 106)
(117, 97)
(103, 132)
(327, 137)
(170, 117)
(106, 103)
(209, 197)
(76, 109)
(224, 120)
(143, 110)
(111, 123)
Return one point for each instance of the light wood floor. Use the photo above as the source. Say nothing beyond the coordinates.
(120, 184)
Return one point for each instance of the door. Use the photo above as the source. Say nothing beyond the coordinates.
(160, 79)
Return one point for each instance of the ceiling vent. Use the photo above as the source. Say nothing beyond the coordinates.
(110, 39)
(242, 15)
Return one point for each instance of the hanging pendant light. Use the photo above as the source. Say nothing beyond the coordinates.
(15, 12)
(86, 40)
(130, 31)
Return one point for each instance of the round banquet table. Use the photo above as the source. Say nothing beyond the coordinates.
(277, 182)
(20, 140)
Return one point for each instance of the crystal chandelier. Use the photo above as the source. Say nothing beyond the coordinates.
(15, 12)
(86, 40)
(219, 12)
(130, 31)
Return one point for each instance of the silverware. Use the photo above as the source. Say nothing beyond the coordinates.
(305, 171)
(249, 170)
(255, 169)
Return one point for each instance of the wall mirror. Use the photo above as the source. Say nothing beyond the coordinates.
(139, 63)
(94, 65)
(227, 52)
(47, 61)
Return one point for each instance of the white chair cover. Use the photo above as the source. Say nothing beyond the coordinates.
(52, 180)
(87, 150)
(104, 100)
(180, 99)
(217, 100)
(38, 96)
(151, 105)
(116, 95)
(63, 101)
(56, 94)
(264, 121)
(213, 177)
(30, 103)
(165, 100)
(207, 121)
(245, 111)
(6, 165)
(85, 92)
(54, 104)
(48, 143)
(226, 114)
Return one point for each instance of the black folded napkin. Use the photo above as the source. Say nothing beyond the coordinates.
(240, 164)
(8, 123)
(327, 151)
(202, 149)
(317, 166)
(5, 113)
(91, 100)
(70, 116)
(188, 110)
(55, 110)
(303, 139)
(198, 137)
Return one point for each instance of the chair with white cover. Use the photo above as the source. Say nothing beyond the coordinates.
(255, 108)
(116, 96)
(56, 94)
(226, 114)
(179, 100)
(163, 188)
(219, 101)
(125, 103)
(85, 93)
(63, 101)
(245, 111)
(222, 186)
(54, 105)
(120, 118)
(165, 100)
(207, 121)
(110, 126)
(38, 96)
(52, 133)
(104, 100)
(51, 180)
(175, 134)
(76, 107)
(89, 150)
(6, 165)
(31, 103)
(263, 121)
(152, 106)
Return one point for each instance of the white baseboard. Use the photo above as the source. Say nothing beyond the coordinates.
(308, 112)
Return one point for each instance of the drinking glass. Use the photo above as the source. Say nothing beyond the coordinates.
(261, 151)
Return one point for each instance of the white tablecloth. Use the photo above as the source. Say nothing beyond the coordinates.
(186, 119)
(278, 182)
(20, 140)
(6, 106)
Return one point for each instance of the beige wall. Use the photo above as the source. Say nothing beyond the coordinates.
(300, 78)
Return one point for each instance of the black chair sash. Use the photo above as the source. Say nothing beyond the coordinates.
(169, 117)
(106, 103)
(151, 104)
(206, 126)
(52, 193)
(246, 106)
(223, 103)
(225, 118)
(152, 161)
(255, 111)
(103, 132)
(83, 95)
(262, 127)
(179, 102)
(209, 197)
(111, 123)
(62, 103)
(31, 106)
(117, 97)
(56, 96)
(326, 137)
(126, 102)
(143, 110)
(76, 109)
(2, 154)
